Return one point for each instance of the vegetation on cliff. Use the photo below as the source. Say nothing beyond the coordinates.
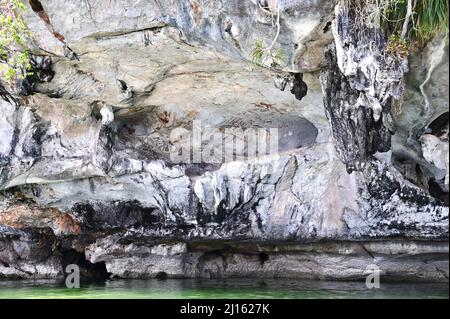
(425, 19)
(407, 22)
(14, 39)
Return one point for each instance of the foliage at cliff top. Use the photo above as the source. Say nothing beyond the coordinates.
(415, 20)
(14, 38)
(429, 18)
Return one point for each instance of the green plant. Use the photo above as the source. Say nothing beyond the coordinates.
(264, 56)
(397, 46)
(407, 22)
(429, 18)
(14, 38)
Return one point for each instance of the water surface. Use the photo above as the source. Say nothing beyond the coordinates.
(227, 289)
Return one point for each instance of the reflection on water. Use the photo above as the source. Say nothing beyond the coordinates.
(236, 288)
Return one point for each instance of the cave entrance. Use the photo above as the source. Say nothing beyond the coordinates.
(88, 271)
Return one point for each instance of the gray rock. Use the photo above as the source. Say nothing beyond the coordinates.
(86, 162)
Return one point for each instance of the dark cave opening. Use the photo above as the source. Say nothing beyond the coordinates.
(437, 192)
(161, 275)
(439, 125)
(299, 87)
(88, 271)
(263, 257)
(36, 5)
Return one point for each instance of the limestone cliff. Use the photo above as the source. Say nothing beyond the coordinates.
(86, 167)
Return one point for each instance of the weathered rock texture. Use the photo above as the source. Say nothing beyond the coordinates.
(359, 87)
(86, 171)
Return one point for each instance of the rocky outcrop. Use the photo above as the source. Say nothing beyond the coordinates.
(89, 158)
(359, 85)
(421, 139)
(231, 27)
(323, 261)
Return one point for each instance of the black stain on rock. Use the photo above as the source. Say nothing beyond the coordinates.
(117, 215)
(299, 88)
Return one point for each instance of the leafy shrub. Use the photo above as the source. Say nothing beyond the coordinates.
(263, 56)
(429, 19)
(397, 46)
(14, 39)
(406, 21)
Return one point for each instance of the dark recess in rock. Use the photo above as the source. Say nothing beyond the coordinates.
(263, 257)
(36, 5)
(437, 192)
(421, 177)
(88, 270)
(41, 71)
(327, 27)
(161, 275)
(299, 88)
(439, 125)
(5, 95)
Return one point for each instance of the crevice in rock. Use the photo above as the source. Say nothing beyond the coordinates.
(427, 169)
(38, 8)
(6, 96)
(228, 28)
(155, 29)
(4, 264)
(411, 171)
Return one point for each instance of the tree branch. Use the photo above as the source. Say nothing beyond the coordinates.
(409, 14)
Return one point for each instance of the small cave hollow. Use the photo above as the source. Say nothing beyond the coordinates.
(36, 5)
(263, 257)
(95, 272)
(299, 87)
(161, 275)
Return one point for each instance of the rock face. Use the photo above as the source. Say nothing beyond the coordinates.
(359, 87)
(422, 122)
(89, 165)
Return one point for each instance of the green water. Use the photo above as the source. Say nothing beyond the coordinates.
(227, 289)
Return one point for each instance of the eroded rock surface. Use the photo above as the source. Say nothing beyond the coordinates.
(87, 176)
